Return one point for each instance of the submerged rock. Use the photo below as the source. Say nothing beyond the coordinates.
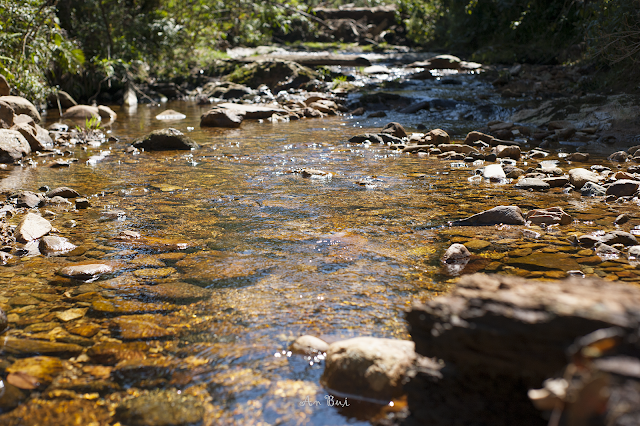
(368, 366)
(53, 245)
(165, 140)
(508, 215)
(160, 408)
(85, 272)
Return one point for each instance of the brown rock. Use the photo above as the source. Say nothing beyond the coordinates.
(508, 215)
(394, 129)
(550, 216)
(221, 118)
(64, 192)
(81, 112)
(22, 106)
(5, 89)
(7, 116)
(13, 146)
(141, 327)
(177, 292)
(42, 368)
(368, 366)
(18, 346)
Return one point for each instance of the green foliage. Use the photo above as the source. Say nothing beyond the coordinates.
(32, 43)
(337, 81)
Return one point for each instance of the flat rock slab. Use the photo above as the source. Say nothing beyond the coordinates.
(32, 227)
(160, 408)
(554, 261)
(17, 346)
(253, 111)
(508, 215)
(129, 307)
(86, 271)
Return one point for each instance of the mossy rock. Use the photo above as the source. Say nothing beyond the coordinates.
(276, 74)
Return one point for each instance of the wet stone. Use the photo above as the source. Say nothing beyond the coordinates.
(532, 183)
(141, 327)
(18, 346)
(546, 261)
(54, 245)
(153, 274)
(64, 192)
(28, 199)
(160, 408)
(111, 353)
(42, 368)
(590, 189)
(71, 314)
(86, 330)
(86, 271)
(56, 412)
(32, 227)
(148, 261)
(477, 245)
(128, 307)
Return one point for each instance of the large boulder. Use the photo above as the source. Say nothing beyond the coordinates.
(500, 336)
(22, 106)
(62, 97)
(508, 215)
(220, 117)
(7, 115)
(276, 74)
(37, 137)
(13, 146)
(368, 366)
(165, 140)
(579, 176)
(5, 89)
(82, 112)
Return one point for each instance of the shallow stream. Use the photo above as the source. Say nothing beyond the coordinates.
(283, 256)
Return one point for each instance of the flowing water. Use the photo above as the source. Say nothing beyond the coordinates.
(282, 255)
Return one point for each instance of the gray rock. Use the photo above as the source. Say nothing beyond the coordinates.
(550, 216)
(309, 345)
(63, 191)
(634, 252)
(619, 237)
(605, 251)
(623, 188)
(164, 140)
(619, 157)
(578, 177)
(508, 215)
(221, 118)
(13, 146)
(22, 106)
(591, 189)
(37, 137)
(160, 408)
(32, 227)
(52, 245)
(368, 366)
(86, 271)
(532, 183)
(28, 199)
(456, 253)
(107, 114)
